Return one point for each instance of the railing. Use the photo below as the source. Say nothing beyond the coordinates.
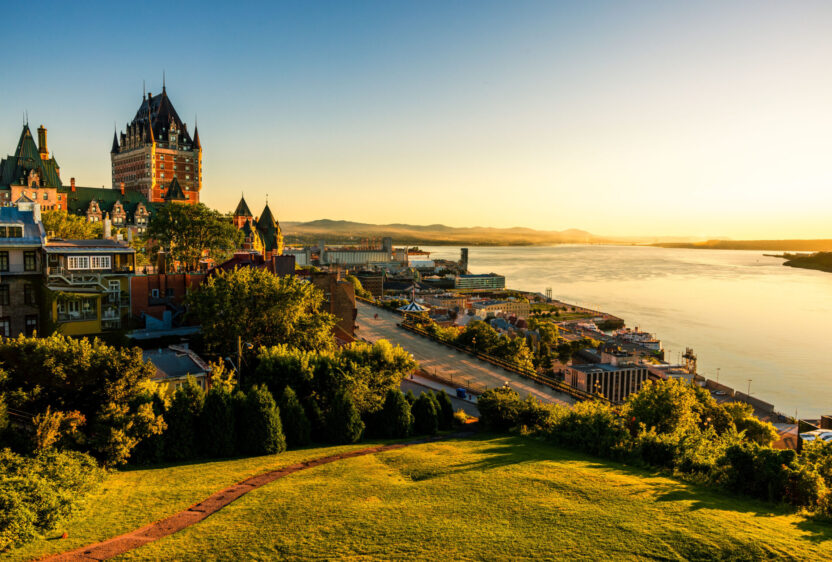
(523, 372)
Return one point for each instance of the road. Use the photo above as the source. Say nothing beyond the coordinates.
(435, 356)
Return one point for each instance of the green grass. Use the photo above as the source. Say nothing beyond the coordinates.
(132, 498)
(484, 497)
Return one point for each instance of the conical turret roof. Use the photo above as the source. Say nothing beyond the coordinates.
(242, 209)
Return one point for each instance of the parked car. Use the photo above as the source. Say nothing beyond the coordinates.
(824, 435)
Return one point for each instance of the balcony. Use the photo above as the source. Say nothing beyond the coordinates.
(76, 315)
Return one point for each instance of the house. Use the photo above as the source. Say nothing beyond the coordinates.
(174, 364)
(21, 268)
(88, 284)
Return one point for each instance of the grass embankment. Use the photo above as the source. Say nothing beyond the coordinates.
(132, 498)
(483, 497)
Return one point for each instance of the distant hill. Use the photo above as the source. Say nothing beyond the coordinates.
(778, 245)
(353, 232)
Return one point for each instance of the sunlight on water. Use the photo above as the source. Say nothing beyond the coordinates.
(740, 311)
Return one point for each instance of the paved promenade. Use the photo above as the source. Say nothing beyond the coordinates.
(435, 356)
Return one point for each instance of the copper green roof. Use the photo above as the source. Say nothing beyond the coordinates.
(78, 201)
(15, 169)
(268, 228)
(242, 209)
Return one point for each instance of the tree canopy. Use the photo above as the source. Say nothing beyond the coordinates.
(190, 231)
(263, 309)
(61, 224)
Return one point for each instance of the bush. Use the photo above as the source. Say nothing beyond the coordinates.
(461, 417)
(446, 410)
(37, 492)
(216, 424)
(182, 418)
(296, 425)
(262, 432)
(151, 449)
(499, 408)
(238, 404)
(758, 471)
(668, 406)
(396, 417)
(410, 397)
(344, 423)
(425, 417)
(591, 426)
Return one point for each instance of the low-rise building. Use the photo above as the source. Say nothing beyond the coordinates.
(448, 301)
(614, 382)
(372, 283)
(519, 308)
(480, 281)
(21, 269)
(88, 282)
(174, 364)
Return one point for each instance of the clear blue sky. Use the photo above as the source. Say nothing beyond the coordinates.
(621, 118)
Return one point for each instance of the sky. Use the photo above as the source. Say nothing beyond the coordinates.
(696, 119)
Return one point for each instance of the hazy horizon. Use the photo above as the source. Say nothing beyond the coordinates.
(621, 119)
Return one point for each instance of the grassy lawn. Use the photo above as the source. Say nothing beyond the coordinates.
(483, 497)
(133, 498)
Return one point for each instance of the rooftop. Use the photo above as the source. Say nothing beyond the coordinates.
(98, 244)
(32, 232)
(175, 362)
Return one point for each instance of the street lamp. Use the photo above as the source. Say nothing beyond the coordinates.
(717, 375)
(749, 388)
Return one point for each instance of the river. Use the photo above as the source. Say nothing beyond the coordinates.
(742, 313)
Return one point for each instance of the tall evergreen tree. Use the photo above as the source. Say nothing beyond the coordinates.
(217, 424)
(344, 423)
(425, 418)
(263, 430)
(396, 419)
(296, 425)
(410, 397)
(446, 410)
(182, 419)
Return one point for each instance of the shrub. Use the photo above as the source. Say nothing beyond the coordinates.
(216, 424)
(499, 408)
(446, 410)
(344, 423)
(238, 404)
(296, 425)
(410, 397)
(668, 406)
(758, 471)
(182, 418)
(37, 492)
(591, 426)
(461, 417)
(658, 449)
(151, 449)
(396, 417)
(425, 417)
(317, 419)
(262, 432)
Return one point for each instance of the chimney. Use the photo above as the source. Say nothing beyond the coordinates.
(42, 147)
(107, 226)
(72, 183)
(121, 186)
(36, 212)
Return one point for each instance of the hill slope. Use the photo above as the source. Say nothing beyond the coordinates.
(484, 497)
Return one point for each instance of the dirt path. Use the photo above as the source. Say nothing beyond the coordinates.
(149, 533)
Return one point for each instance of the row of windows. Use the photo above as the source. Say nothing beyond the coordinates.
(11, 231)
(88, 262)
(28, 294)
(31, 326)
(30, 260)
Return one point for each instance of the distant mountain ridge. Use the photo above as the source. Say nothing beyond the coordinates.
(349, 231)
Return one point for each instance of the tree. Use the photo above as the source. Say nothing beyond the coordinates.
(189, 232)
(263, 432)
(344, 423)
(446, 410)
(61, 224)
(262, 309)
(499, 408)
(296, 425)
(425, 418)
(756, 430)
(182, 419)
(668, 406)
(360, 291)
(102, 383)
(479, 335)
(410, 397)
(396, 418)
(216, 423)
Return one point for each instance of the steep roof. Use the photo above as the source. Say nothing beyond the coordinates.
(33, 234)
(115, 143)
(175, 192)
(269, 229)
(242, 209)
(197, 144)
(14, 169)
(78, 201)
(154, 117)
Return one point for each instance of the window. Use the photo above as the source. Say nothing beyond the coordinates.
(29, 294)
(78, 262)
(4, 294)
(154, 293)
(31, 324)
(5, 327)
(7, 231)
(45, 195)
(169, 292)
(100, 262)
(4, 261)
(29, 261)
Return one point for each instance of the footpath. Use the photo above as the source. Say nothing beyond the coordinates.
(115, 546)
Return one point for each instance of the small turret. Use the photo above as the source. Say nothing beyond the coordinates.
(115, 143)
(43, 149)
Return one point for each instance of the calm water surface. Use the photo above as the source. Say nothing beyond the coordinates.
(741, 312)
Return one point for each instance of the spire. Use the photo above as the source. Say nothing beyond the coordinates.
(197, 144)
(115, 143)
(175, 192)
(164, 91)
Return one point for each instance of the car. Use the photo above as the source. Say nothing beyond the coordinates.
(824, 435)
(720, 393)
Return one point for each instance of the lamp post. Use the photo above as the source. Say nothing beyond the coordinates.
(749, 388)
(717, 375)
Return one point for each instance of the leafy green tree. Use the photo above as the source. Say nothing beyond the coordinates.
(360, 291)
(262, 309)
(238, 404)
(446, 410)
(183, 418)
(478, 335)
(344, 423)
(425, 417)
(262, 428)
(296, 425)
(216, 424)
(374, 369)
(61, 224)
(756, 430)
(101, 382)
(396, 418)
(190, 232)
(151, 449)
(499, 408)
(668, 406)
